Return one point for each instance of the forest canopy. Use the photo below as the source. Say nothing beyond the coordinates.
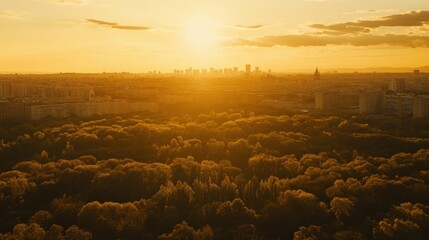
(227, 175)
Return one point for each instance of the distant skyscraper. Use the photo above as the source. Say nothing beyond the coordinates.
(316, 75)
(189, 71)
(248, 69)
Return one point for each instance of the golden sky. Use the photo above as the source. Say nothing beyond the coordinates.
(143, 35)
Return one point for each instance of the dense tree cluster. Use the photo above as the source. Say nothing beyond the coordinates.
(216, 176)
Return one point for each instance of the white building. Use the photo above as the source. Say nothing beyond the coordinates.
(397, 85)
(398, 104)
(421, 107)
(370, 103)
(86, 109)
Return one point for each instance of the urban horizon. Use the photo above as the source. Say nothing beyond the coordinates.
(308, 70)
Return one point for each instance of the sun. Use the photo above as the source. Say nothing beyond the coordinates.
(201, 33)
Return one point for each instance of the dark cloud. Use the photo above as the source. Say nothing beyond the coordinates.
(335, 34)
(117, 25)
(250, 26)
(410, 19)
(321, 40)
(99, 22)
(342, 28)
(130, 27)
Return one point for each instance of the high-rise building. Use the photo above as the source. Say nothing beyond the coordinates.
(5, 90)
(421, 107)
(323, 100)
(18, 90)
(316, 75)
(85, 109)
(343, 101)
(398, 104)
(248, 69)
(370, 103)
(397, 85)
(12, 111)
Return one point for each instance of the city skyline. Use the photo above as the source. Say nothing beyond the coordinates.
(47, 36)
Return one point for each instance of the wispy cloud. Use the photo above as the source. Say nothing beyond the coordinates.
(130, 27)
(250, 26)
(306, 40)
(64, 1)
(371, 11)
(353, 33)
(410, 19)
(117, 25)
(12, 14)
(99, 22)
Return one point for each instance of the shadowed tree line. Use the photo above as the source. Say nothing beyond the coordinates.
(216, 176)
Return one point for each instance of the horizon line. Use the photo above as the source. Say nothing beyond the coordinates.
(291, 71)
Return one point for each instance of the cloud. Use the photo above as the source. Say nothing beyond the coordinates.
(130, 27)
(64, 1)
(389, 10)
(99, 22)
(410, 19)
(12, 14)
(306, 40)
(250, 26)
(117, 25)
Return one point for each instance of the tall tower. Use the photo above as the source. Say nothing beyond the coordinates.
(316, 75)
(248, 69)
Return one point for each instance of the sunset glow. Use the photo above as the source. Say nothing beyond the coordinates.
(292, 35)
(202, 34)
